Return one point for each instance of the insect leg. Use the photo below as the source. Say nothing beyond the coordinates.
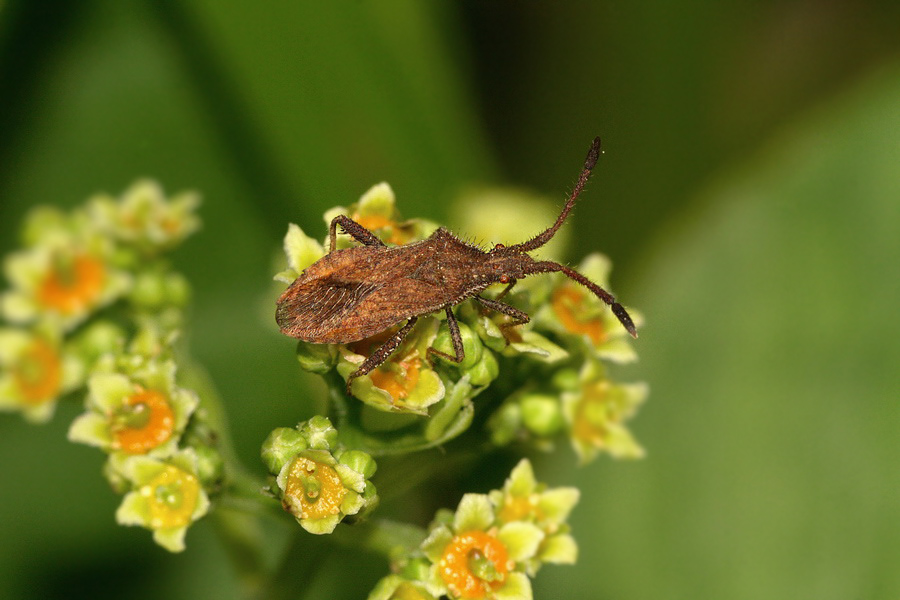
(381, 353)
(455, 338)
(519, 317)
(354, 229)
(506, 290)
(547, 266)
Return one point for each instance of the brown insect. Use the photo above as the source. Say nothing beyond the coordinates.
(352, 294)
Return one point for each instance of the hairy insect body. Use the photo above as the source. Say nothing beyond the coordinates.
(354, 293)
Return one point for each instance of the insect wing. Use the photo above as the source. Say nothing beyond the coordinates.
(332, 311)
(320, 310)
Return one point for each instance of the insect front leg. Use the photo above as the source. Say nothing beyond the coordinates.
(507, 289)
(519, 317)
(455, 338)
(354, 229)
(381, 353)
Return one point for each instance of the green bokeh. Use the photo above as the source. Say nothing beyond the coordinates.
(749, 197)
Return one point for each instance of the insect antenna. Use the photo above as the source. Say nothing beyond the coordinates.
(545, 236)
(547, 266)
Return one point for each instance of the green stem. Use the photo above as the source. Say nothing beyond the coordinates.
(387, 538)
(456, 414)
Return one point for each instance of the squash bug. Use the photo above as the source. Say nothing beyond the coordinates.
(354, 293)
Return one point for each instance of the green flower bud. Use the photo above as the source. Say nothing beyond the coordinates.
(319, 433)
(505, 423)
(317, 358)
(395, 587)
(359, 462)
(210, 465)
(485, 370)
(97, 339)
(471, 345)
(541, 414)
(281, 445)
(178, 290)
(149, 290)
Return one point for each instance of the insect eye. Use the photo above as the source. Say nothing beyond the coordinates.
(499, 246)
(504, 279)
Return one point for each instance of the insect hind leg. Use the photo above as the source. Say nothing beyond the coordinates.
(354, 230)
(381, 353)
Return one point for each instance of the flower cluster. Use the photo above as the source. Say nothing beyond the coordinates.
(490, 546)
(318, 480)
(93, 303)
(555, 366)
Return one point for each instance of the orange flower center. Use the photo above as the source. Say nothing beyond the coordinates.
(592, 416)
(38, 373)
(568, 303)
(313, 489)
(143, 422)
(474, 564)
(72, 284)
(171, 498)
(398, 378)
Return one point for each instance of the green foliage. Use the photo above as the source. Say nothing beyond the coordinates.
(770, 294)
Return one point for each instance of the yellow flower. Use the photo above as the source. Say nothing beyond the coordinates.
(313, 490)
(166, 496)
(36, 371)
(141, 413)
(145, 218)
(62, 280)
(406, 381)
(319, 482)
(473, 555)
(597, 412)
(376, 211)
(574, 312)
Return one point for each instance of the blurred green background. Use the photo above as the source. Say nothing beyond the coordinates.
(749, 196)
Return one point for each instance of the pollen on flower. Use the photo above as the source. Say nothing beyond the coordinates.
(171, 498)
(398, 378)
(399, 375)
(372, 222)
(568, 302)
(145, 421)
(38, 373)
(73, 284)
(519, 508)
(474, 564)
(313, 489)
(591, 415)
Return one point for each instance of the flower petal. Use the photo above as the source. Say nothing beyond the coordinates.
(474, 513)
(521, 539)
